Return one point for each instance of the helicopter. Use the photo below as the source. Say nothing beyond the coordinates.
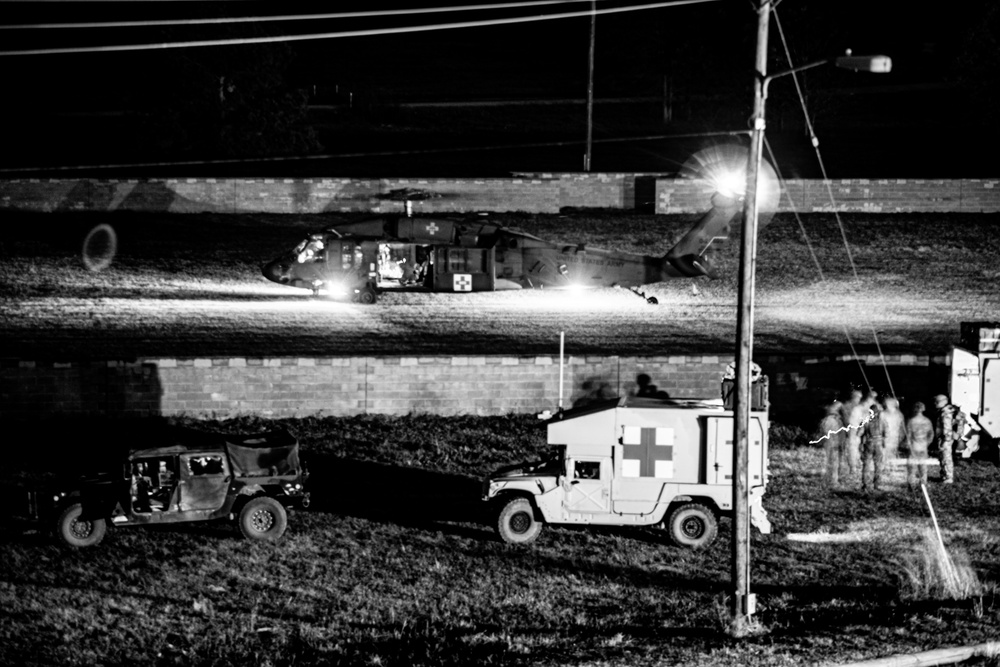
(360, 260)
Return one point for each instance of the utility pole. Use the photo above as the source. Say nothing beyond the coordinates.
(590, 88)
(744, 602)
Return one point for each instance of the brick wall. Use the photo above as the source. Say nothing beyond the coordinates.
(528, 192)
(484, 385)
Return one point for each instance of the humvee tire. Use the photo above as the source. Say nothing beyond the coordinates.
(263, 518)
(692, 526)
(77, 533)
(516, 522)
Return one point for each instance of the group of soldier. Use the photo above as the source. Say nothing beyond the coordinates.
(861, 434)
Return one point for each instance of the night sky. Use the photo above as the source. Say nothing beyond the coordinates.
(221, 109)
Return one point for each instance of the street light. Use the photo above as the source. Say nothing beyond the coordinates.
(743, 601)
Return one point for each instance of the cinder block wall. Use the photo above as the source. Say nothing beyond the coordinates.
(485, 385)
(544, 193)
(531, 193)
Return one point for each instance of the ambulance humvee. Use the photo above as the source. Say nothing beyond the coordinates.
(636, 462)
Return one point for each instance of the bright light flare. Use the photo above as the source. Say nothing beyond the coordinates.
(729, 182)
(575, 291)
(336, 291)
(724, 167)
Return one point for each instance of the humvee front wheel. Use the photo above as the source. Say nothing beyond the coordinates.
(263, 519)
(79, 533)
(516, 522)
(692, 526)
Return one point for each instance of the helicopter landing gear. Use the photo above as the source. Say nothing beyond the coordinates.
(651, 300)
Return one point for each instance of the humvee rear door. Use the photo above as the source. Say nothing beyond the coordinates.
(204, 481)
(719, 455)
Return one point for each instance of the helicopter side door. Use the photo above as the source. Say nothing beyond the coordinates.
(458, 269)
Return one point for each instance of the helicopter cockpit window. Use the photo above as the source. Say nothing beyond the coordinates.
(350, 255)
(310, 250)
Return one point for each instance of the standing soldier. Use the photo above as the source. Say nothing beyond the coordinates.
(831, 431)
(919, 436)
(895, 428)
(847, 406)
(846, 409)
(873, 448)
(948, 429)
(858, 418)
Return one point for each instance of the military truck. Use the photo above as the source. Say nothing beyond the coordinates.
(185, 475)
(633, 461)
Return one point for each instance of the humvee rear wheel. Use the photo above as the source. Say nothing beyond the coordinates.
(516, 523)
(79, 533)
(263, 519)
(693, 526)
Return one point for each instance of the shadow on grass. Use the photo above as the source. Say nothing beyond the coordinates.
(398, 494)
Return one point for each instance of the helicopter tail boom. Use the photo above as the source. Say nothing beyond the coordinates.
(689, 253)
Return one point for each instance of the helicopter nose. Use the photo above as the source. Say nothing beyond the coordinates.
(277, 271)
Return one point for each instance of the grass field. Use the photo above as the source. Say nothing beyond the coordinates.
(395, 565)
(190, 285)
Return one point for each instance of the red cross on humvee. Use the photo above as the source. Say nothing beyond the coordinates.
(648, 452)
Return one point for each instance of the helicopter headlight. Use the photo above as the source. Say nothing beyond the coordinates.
(575, 291)
(336, 290)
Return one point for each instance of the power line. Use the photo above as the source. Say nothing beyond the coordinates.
(284, 17)
(348, 33)
(829, 190)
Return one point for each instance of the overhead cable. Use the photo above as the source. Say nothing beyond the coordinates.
(284, 17)
(829, 190)
(349, 33)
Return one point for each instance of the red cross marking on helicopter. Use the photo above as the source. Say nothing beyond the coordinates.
(648, 452)
(432, 228)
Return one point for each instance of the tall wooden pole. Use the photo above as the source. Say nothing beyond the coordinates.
(743, 600)
(590, 88)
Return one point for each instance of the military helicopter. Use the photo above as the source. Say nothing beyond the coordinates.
(360, 260)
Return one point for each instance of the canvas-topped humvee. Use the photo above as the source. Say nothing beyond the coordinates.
(183, 476)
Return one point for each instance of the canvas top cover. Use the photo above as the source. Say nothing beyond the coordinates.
(261, 454)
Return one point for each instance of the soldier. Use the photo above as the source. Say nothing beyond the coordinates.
(873, 437)
(858, 418)
(831, 431)
(849, 404)
(895, 427)
(948, 431)
(919, 436)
